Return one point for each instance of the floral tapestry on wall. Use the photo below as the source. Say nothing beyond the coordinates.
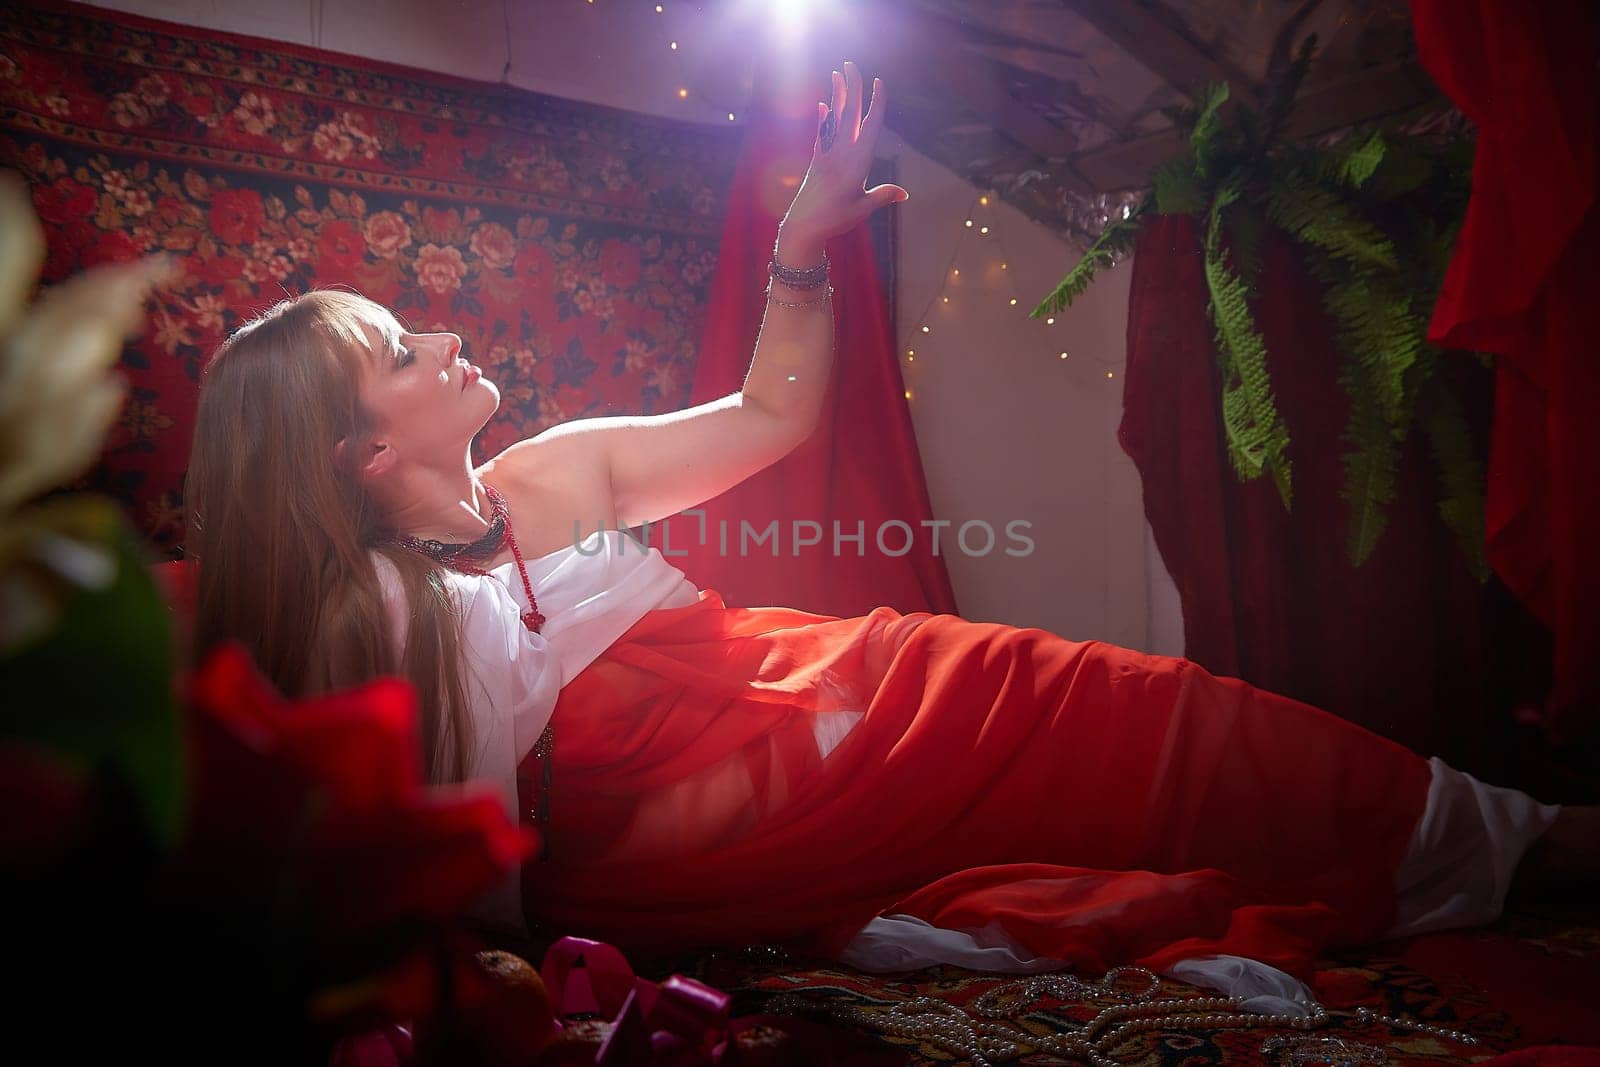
(571, 246)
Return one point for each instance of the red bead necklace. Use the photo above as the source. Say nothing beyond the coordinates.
(461, 557)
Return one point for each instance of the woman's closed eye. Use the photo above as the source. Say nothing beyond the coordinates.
(405, 357)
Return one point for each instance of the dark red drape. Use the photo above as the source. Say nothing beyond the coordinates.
(1397, 645)
(861, 468)
(1522, 284)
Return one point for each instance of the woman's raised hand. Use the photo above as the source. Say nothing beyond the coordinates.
(833, 198)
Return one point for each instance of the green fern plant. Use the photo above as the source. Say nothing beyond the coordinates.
(1375, 216)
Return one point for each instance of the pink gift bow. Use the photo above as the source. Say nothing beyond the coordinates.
(680, 1022)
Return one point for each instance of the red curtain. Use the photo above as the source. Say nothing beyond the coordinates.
(1522, 284)
(861, 468)
(1399, 645)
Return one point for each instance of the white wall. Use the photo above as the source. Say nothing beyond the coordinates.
(1007, 430)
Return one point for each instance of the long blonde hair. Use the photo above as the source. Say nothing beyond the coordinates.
(283, 532)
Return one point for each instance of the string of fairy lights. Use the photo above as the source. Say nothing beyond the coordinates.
(981, 224)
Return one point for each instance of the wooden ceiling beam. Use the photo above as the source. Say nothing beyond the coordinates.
(1362, 97)
(905, 53)
(1157, 44)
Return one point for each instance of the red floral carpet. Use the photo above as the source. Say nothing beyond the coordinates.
(1520, 983)
(571, 246)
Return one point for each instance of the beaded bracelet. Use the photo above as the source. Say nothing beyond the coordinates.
(813, 302)
(809, 278)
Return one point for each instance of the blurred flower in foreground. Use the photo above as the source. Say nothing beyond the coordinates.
(315, 889)
(58, 397)
(316, 810)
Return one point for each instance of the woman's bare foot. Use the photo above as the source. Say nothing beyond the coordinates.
(1559, 878)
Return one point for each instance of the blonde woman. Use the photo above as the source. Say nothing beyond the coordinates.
(892, 789)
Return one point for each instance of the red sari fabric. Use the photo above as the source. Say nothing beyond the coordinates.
(1521, 284)
(1102, 805)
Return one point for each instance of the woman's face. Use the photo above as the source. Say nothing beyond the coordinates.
(428, 401)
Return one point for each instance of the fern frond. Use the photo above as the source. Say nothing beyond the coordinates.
(1407, 166)
(1257, 438)
(1375, 218)
(1360, 162)
(1379, 330)
(1115, 240)
(1317, 216)
(1246, 225)
(1177, 190)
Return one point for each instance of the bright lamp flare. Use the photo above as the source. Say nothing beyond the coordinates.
(789, 16)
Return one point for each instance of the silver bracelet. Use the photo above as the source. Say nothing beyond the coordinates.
(813, 302)
(799, 278)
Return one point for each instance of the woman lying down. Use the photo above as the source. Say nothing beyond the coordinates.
(892, 790)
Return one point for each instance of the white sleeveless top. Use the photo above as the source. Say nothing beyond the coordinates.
(590, 593)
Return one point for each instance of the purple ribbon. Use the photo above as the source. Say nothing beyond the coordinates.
(678, 1023)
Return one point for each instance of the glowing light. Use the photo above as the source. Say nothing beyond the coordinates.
(911, 359)
(791, 377)
(730, 116)
(908, 394)
(683, 94)
(969, 224)
(1110, 375)
(1002, 266)
(1013, 301)
(1050, 322)
(1063, 355)
(956, 272)
(910, 352)
(926, 330)
(983, 229)
(790, 14)
(947, 300)
(984, 200)
(673, 45)
(1126, 211)
(658, 7)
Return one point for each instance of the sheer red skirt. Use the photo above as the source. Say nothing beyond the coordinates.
(1102, 805)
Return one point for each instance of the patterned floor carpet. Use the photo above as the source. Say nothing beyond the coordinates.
(1519, 983)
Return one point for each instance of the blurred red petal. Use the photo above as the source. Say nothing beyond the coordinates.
(361, 744)
(426, 861)
(323, 799)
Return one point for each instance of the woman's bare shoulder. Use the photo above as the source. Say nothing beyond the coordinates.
(555, 485)
(551, 458)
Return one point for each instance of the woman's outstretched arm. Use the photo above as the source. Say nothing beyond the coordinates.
(659, 465)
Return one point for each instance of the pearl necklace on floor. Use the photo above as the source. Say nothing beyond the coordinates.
(986, 1033)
